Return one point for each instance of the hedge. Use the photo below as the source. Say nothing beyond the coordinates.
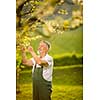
(68, 60)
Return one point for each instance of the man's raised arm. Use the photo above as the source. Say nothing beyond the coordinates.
(26, 61)
(36, 58)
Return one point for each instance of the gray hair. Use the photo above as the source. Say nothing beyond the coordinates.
(47, 43)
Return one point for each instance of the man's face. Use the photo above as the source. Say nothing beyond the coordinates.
(43, 48)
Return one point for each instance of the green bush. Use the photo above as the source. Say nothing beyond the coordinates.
(68, 60)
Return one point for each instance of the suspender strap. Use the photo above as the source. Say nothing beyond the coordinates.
(35, 66)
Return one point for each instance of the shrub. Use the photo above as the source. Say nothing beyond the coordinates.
(68, 60)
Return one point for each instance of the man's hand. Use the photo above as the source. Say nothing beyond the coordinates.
(30, 49)
(23, 49)
(25, 61)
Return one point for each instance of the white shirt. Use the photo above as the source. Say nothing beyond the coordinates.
(47, 71)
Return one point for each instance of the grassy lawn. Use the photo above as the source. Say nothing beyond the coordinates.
(67, 83)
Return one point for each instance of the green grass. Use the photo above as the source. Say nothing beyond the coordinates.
(67, 92)
(67, 83)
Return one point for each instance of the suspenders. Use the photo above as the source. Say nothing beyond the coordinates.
(36, 67)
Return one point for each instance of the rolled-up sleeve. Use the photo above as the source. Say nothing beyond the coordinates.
(49, 60)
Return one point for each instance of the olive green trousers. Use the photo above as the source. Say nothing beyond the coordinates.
(41, 87)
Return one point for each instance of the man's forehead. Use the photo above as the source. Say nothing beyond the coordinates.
(45, 43)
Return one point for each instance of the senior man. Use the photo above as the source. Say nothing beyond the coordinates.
(42, 70)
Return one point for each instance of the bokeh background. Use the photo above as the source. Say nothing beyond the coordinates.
(61, 23)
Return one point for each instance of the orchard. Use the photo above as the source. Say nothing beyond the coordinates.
(36, 19)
